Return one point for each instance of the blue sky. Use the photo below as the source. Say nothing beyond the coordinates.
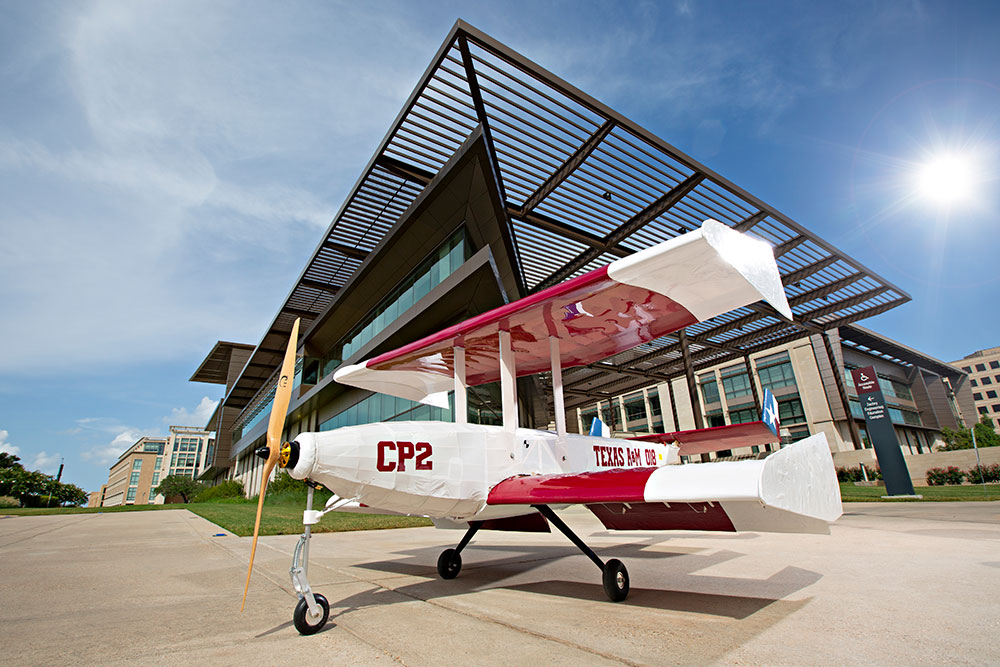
(166, 168)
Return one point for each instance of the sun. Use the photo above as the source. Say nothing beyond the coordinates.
(948, 179)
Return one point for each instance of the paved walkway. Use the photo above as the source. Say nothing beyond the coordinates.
(893, 584)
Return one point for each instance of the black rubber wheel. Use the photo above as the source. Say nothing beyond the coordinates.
(615, 580)
(449, 564)
(303, 623)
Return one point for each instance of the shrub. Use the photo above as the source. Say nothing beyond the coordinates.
(7, 502)
(854, 474)
(283, 482)
(990, 473)
(228, 489)
(942, 476)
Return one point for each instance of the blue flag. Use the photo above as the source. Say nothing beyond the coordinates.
(769, 413)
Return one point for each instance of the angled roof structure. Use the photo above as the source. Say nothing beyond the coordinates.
(581, 185)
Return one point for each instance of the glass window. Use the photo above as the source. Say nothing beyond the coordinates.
(997, 378)
(635, 408)
(995, 364)
(977, 396)
(776, 376)
(159, 462)
(986, 380)
(894, 388)
(378, 407)
(736, 386)
(996, 407)
(967, 369)
(156, 480)
(134, 477)
(775, 371)
(654, 404)
(131, 494)
(980, 367)
(903, 416)
(991, 393)
(137, 464)
(742, 416)
(983, 410)
(790, 411)
(710, 391)
(430, 273)
(973, 383)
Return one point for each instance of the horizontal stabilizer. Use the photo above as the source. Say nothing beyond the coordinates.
(717, 438)
(793, 490)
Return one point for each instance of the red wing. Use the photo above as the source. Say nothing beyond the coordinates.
(631, 301)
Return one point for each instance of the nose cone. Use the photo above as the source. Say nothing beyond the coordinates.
(301, 455)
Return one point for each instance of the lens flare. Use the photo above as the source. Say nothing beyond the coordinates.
(947, 179)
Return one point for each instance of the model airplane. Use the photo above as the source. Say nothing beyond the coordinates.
(479, 477)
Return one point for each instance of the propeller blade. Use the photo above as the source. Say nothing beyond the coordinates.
(275, 425)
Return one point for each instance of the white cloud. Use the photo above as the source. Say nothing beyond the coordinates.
(198, 417)
(109, 453)
(5, 446)
(44, 462)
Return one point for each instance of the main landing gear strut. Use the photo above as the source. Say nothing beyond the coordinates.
(615, 576)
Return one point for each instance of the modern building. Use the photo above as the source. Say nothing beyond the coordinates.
(983, 368)
(497, 180)
(130, 481)
(134, 477)
(814, 395)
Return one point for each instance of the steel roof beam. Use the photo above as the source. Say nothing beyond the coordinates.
(567, 167)
(647, 215)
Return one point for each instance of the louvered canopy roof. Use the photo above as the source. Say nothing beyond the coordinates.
(582, 185)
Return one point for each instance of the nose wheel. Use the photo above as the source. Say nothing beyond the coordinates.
(305, 622)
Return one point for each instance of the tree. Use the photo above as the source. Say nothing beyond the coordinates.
(9, 461)
(179, 485)
(70, 494)
(962, 438)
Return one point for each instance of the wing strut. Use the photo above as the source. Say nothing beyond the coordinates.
(461, 397)
(508, 388)
(557, 388)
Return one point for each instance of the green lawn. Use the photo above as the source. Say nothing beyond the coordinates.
(282, 516)
(850, 493)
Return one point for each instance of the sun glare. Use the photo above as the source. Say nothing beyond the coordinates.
(947, 179)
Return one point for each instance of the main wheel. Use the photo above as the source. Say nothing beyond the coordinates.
(615, 580)
(449, 564)
(304, 622)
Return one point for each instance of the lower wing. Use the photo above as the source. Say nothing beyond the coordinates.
(794, 490)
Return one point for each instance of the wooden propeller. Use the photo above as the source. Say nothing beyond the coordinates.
(276, 424)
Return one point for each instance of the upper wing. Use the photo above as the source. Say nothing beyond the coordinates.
(704, 440)
(634, 300)
(793, 490)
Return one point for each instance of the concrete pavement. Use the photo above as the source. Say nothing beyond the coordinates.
(893, 584)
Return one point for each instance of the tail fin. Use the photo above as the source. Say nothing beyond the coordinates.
(599, 429)
(769, 412)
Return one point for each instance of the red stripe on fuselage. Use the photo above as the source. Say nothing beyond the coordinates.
(625, 485)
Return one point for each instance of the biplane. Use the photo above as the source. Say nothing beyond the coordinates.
(503, 477)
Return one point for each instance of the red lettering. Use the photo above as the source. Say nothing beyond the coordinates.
(424, 451)
(597, 455)
(619, 457)
(383, 465)
(405, 453)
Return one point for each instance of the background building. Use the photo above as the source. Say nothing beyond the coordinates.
(923, 395)
(134, 477)
(497, 180)
(131, 477)
(983, 368)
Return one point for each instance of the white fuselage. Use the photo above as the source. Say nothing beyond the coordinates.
(446, 470)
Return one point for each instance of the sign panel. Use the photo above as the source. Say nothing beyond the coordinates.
(882, 434)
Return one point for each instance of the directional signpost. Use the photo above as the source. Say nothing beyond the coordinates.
(882, 433)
